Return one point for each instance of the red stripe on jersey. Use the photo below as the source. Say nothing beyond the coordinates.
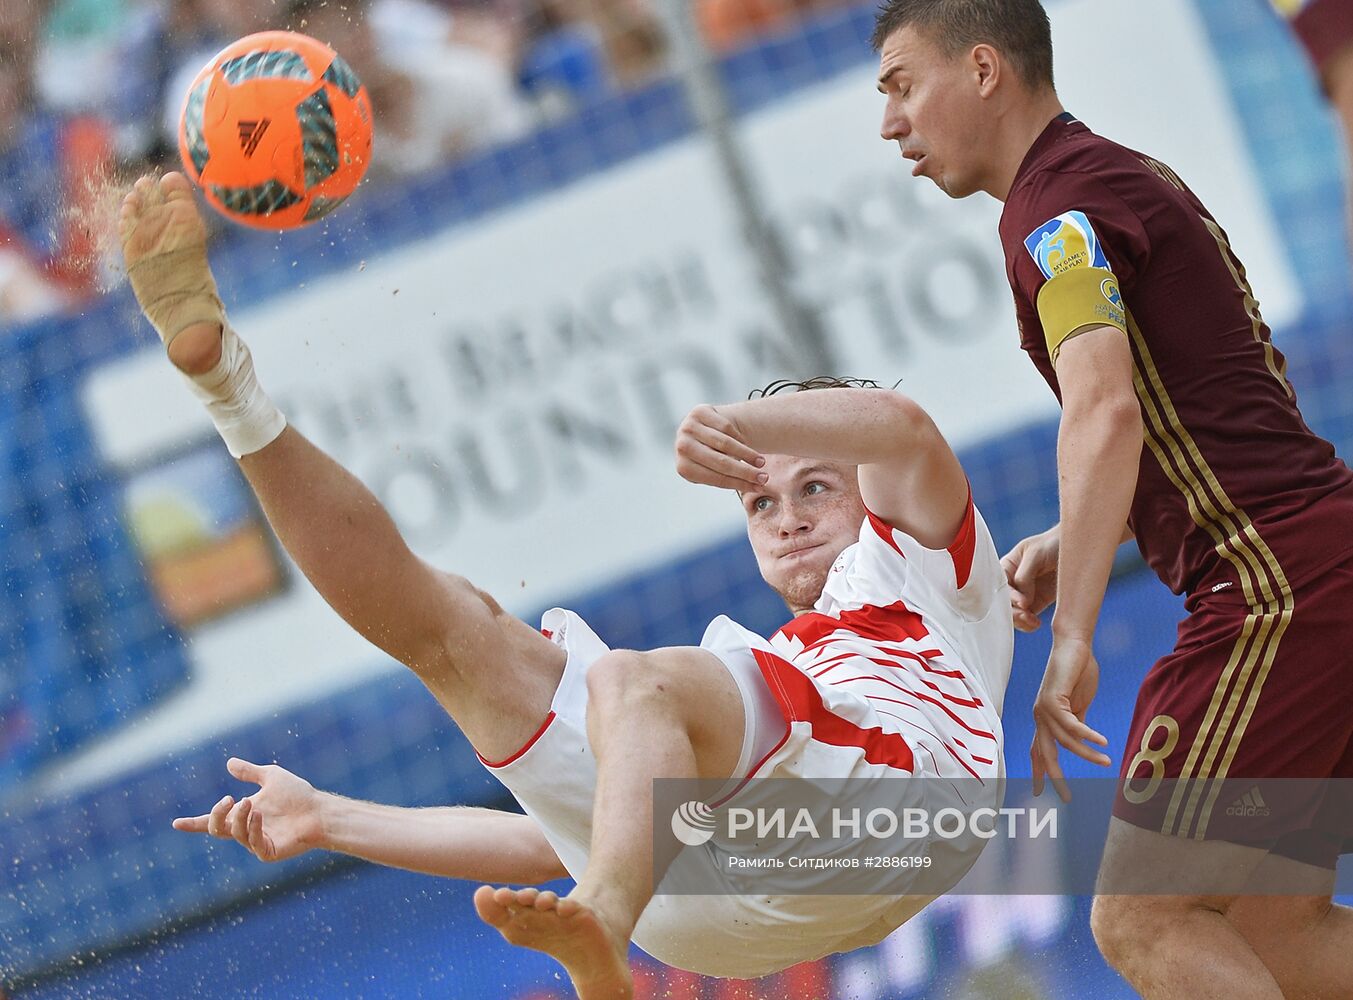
(894, 623)
(528, 745)
(962, 549)
(934, 701)
(884, 530)
(965, 702)
(802, 702)
(963, 762)
(923, 658)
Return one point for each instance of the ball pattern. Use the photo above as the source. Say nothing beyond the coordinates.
(276, 130)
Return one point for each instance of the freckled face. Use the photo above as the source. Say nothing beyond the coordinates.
(805, 515)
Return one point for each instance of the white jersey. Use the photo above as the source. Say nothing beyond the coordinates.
(924, 635)
(900, 670)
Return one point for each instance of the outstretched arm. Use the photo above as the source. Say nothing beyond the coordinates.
(909, 476)
(287, 816)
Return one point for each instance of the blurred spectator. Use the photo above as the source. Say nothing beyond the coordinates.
(77, 62)
(48, 163)
(1325, 28)
(728, 24)
(628, 32)
(495, 27)
(434, 99)
(201, 28)
(158, 40)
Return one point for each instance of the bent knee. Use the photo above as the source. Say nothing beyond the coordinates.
(687, 680)
(1111, 920)
(624, 674)
(1270, 921)
(1127, 928)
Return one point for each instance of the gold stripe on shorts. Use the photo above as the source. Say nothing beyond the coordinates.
(1261, 578)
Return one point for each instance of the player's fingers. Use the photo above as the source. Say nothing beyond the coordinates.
(217, 819)
(244, 770)
(726, 466)
(239, 821)
(1024, 581)
(1026, 621)
(1039, 772)
(257, 842)
(193, 824)
(708, 456)
(1051, 765)
(1070, 732)
(721, 440)
(708, 470)
(1073, 726)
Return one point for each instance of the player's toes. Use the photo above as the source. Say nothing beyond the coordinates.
(568, 906)
(546, 900)
(490, 910)
(526, 897)
(175, 185)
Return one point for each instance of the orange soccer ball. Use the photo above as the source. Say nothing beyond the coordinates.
(276, 130)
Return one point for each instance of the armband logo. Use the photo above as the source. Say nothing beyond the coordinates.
(1109, 286)
(1065, 243)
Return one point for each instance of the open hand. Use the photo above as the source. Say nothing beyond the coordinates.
(279, 821)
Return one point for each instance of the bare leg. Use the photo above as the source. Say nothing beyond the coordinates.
(493, 674)
(1176, 947)
(672, 713)
(1305, 940)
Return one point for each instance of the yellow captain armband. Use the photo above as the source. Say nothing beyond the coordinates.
(1076, 300)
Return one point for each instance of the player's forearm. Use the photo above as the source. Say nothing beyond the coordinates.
(856, 426)
(483, 845)
(1098, 451)
(346, 544)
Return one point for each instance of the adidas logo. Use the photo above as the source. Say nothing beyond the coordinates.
(251, 133)
(1249, 804)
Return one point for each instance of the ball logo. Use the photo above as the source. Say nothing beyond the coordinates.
(693, 824)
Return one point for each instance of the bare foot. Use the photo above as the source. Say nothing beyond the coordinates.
(164, 247)
(594, 956)
(159, 216)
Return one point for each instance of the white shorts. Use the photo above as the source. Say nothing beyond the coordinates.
(736, 936)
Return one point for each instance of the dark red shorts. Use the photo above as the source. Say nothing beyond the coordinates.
(1245, 732)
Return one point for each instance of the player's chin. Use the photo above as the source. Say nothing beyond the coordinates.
(954, 189)
(803, 586)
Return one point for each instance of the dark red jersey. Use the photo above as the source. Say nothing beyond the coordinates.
(1236, 495)
(1324, 26)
